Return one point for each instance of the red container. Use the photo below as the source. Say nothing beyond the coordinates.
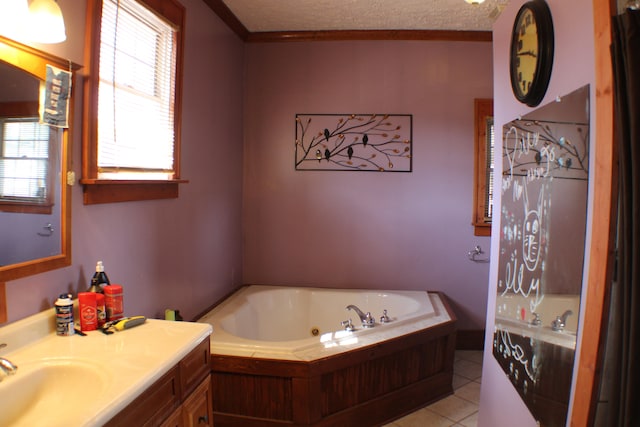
(114, 302)
(88, 311)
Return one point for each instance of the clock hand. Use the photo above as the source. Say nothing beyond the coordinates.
(527, 53)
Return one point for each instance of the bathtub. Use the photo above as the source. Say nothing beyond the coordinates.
(281, 356)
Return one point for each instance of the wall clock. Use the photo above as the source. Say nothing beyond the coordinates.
(531, 54)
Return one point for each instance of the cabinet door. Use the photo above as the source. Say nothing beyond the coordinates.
(175, 419)
(197, 410)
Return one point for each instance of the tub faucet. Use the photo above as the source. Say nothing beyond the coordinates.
(561, 321)
(367, 319)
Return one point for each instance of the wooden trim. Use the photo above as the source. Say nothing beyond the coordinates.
(30, 59)
(227, 16)
(3, 303)
(19, 109)
(26, 207)
(482, 109)
(232, 21)
(90, 90)
(470, 339)
(97, 192)
(602, 237)
(34, 61)
(341, 35)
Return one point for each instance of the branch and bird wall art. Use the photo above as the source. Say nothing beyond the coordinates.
(354, 142)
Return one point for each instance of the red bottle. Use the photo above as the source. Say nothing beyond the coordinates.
(88, 311)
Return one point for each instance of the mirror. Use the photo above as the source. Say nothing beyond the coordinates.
(543, 213)
(35, 219)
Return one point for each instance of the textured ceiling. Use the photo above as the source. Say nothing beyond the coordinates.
(317, 15)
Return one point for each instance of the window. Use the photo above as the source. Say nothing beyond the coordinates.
(483, 179)
(131, 145)
(26, 175)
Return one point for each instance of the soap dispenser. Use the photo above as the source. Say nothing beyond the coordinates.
(99, 279)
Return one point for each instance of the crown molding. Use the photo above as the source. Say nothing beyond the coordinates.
(227, 16)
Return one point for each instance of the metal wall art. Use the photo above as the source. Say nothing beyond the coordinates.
(354, 142)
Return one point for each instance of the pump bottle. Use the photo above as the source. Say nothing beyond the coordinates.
(99, 279)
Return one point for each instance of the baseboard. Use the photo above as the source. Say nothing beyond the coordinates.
(470, 339)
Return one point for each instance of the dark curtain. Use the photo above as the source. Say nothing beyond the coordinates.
(622, 357)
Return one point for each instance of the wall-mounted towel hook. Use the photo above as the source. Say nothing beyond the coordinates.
(473, 255)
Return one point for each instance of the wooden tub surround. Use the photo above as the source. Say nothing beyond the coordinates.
(367, 386)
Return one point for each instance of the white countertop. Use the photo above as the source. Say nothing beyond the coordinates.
(127, 362)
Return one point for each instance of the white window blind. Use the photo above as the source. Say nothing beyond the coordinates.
(136, 92)
(25, 160)
(488, 203)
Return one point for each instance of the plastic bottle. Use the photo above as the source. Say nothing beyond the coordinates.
(64, 315)
(99, 279)
(87, 311)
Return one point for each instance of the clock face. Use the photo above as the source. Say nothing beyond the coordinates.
(531, 56)
(526, 59)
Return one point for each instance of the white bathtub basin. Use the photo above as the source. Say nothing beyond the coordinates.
(297, 323)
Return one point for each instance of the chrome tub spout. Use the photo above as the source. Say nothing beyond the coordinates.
(368, 321)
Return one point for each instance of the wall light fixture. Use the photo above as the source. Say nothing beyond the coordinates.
(46, 22)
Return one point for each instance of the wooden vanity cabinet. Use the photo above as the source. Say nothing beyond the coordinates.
(181, 398)
(197, 410)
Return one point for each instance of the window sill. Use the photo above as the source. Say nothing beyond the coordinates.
(482, 229)
(98, 191)
(25, 207)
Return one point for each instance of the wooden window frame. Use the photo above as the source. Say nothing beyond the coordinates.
(96, 190)
(483, 109)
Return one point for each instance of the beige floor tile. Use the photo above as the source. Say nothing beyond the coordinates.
(468, 369)
(460, 409)
(453, 408)
(423, 418)
(470, 392)
(470, 421)
(459, 381)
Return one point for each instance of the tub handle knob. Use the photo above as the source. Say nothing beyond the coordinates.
(348, 325)
(369, 321)
(384, 318)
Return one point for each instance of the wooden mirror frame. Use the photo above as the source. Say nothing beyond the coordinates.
(34, 62)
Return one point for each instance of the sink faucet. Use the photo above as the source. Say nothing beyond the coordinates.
(561, 321)
(367, 319)
(7, 367)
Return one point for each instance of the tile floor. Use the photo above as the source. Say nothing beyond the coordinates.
(461, 408)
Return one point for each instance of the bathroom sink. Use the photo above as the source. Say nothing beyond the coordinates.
(50, 392)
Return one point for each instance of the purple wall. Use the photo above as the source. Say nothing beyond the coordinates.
(366, 229)
(183, 253)
(573, 68)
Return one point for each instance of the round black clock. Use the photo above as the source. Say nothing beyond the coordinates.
(531, 54)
